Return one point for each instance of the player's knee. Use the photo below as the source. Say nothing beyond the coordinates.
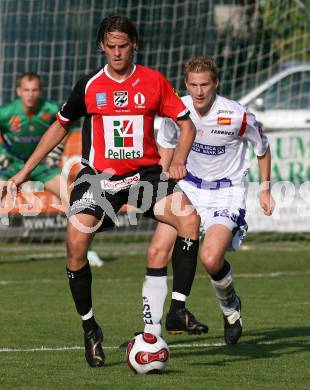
(211, 261)
(189, 226)
(157, 257)
(76, 253)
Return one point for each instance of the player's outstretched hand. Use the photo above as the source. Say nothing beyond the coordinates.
(267, 202)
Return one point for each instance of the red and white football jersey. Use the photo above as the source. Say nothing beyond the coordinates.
(118, 130)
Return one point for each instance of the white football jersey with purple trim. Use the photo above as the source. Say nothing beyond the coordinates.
(220, 150)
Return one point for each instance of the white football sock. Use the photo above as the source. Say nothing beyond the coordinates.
(154, 293)
(225, 292)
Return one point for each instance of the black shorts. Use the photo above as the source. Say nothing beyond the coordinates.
(102, 195)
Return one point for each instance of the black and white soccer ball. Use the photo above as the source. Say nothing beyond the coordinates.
(147, 353)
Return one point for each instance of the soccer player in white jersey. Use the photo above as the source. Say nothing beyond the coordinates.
(215, 184)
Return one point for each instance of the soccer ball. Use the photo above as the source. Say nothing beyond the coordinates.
(147, 353)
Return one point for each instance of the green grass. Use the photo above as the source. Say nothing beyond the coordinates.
(37, 310)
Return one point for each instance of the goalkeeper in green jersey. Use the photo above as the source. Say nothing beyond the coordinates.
(22, 124)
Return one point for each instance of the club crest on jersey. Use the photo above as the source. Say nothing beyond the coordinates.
(101, 99)
(120, 98)
(139, 100)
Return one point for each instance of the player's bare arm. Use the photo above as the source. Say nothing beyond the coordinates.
(177, 168)
(166, 155)
(266, 201)
(54, 156)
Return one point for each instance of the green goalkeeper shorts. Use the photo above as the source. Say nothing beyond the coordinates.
(10, 165)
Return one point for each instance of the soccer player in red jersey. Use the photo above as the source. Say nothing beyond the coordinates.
(121, 165)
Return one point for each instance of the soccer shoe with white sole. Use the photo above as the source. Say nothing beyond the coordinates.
(94, 260)
(233, 325)
(93, 349)
(182, 321)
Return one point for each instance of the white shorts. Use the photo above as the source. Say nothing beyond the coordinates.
(225, 206)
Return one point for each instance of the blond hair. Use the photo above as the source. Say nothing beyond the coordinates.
(201, 64)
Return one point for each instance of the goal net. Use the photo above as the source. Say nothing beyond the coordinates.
(250, 41)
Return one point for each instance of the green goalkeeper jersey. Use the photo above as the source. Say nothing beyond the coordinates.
(21, 133)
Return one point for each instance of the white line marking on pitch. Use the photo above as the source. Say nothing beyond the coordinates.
(122, 280)
(76, 347)
(171, 346)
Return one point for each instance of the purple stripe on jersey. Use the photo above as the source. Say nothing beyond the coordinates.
(208, 185)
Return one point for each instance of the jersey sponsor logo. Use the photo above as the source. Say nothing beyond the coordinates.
(117, 185)
(27, 139)
(210, 150)
(136, 82)
(139, 100)
(101, 99)
(222, 132)
(120, 98)
(225, 112)
(15, 123)
(123, 136)
(46, 116)
(223, 121)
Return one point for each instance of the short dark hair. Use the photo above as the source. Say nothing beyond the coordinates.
(30, 76)
(117, 23)
(201, 64)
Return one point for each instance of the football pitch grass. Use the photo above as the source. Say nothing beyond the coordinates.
(41, 344)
